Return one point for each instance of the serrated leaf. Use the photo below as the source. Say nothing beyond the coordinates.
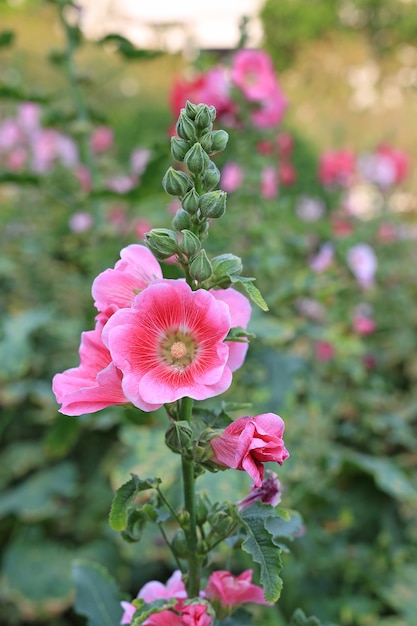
(97, 595)
(284, 526)
(252, 291)
(145, 609)
(124, 497)
(260, 545)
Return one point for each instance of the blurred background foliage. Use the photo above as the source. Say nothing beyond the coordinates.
(349, 71)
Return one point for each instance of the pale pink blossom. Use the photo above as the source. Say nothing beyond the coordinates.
(253, 73)
(271, 110)
(170, 344)
(141, 226)
(323, 259)
(230, 591)
(363, 264)
(28, 116)
(139, 159)
(337, 167)
(10, 134)
(101, 139)
(309, 209)
(135, 270)
(96, 383)
(80, 221)
(269, 182)
(17, 158)
(387, 166)
(285, 144)
(249, 442)
(231, 176)
(240, 313)
(268, 493)
(83, 175)
(324, 351)
(154, 590)
(211, 88)
(121, 183)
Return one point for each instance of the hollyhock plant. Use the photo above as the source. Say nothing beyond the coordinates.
(230, 591)
(253, 73)
(249, 442)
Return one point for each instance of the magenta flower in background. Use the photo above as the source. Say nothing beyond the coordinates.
(170, 344)
(135, 270)
(269, 182)
(231, 177)
(363, 263)
(231, 591)
(101, 139)
(249, 442)
(337, 167)
(240, 313)
(324, 351)
(139, 159)
(363, 321)
(253, 73)
(80, 221)
(323, 259)
(268, 493)
(271, 110)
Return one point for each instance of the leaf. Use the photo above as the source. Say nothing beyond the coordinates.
(126, 48)
(146, 609)
(284, 528)
(124, 498)
(299, 618)
(253, 292)
(97, 595)
(6, 38)
(239, 618)
(260, 545)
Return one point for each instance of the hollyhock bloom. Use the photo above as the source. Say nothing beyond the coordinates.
(269, 182)
(287, 173)
(170, 344)
(212, 88)
(268, 493)
(362, 263)
(231, 177)
(10, 134)
(240, 312)
(139, 159)
(324, 351)
(16, 159)
(122, 183)
(83, 175)
(337, 167)
(363, 322)
(28, 116)
(390, 165)
(265, 147)
(309, 209)
(228, 591)
(249, 442)
(141, 227)
(101, 139)
(135, 270)
(323, 259)
(387, 232)
(342, 227)
(271, 110)
(285, 144)
(311, 308)
(189, 615)
(96, 383)
(253, 73)
(80, 221)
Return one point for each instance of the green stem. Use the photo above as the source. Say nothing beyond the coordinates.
(188, 476)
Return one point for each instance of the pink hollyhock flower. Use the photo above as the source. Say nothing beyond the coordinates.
(398, 161)
(170, 344)
(83, 175)
(268, 493)
(342, 227)
(135, 270)
(141, 227)
(231, 177)
(154, 590)
(387, 232)
(121, 183)
(80, 221)
(363, 322)
(265, 147)
(337, 167)
(269, 184)
(323, 259)
(10, 134)
(287, 175)
(285, 145)
(309, 209)
(28, 116)
(324, 351)
(240, 313)
(139, 159)
(96, 383)
(271, 110)
(253, 73)
(249, 442)
(101, 139)
(363, 264)
(16, 159)
(212, 88)
(227, 591)
(189, 615)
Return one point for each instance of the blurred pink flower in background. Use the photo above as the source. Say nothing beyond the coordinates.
(337, 167)
(269, 182)
(324, 351)
(211, 87)
(385, 167)
(101, 139)
(363, 322)
(141, 226)
(287, 174)
(363, 264)
(309, 209)
(253, 73)
(139, 159)
(323, 259)
(231, 176)
(285, 144)
(271, 110)
(387, 232)
(80, 221)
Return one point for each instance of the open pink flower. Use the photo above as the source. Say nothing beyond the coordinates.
(240, 312)
(337, 167)
(170, 344)
(249, 442)
(96, 383)
(136, 269)
(271, 110)
(189, 615)
(231, 591)
(154, 590)
(232, 176)
(101, 139)
(363, 264)
(323, 259)
(253, 73)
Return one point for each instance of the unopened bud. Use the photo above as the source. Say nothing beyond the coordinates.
(197, 160)
(190, 243)
(179, 435)
(162, 242)
(191, 109)
(227, 265)
(185, 127)
(176, 183)
(179, 544)
(203, 117)
(223, 519)
(213, 203)
(200, 268)
(211, 176)
(181, 220)
(191, 201)
(207, 142)
(179, 148)
(219, 139)
(203, 506)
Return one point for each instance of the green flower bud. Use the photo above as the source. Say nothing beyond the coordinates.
(179, 435)
(200, 268)
(206, 141)
(223, 519)
(227, 265)
(203, 506)
(191, 109)
(213, 203)
(197, 160)
(191, 201)
(162, 242)
(190, 243)
(176, 183)
(211, 176)
(179, 148)
(203, 117)
(185, 127)
(181, 220)
(179, 544)
(219, 139)
(213, 113)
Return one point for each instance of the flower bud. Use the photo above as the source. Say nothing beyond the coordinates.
(179, 435)
(196, 159)
(191, 109)
(179, 148)
(203, 117)
(185, 127)
(190, 243)
(206, 141)
(213, 203)
(191, 201)
(203, 506)
(200, 268)
(213, 113)
(176, 183)
(227, 265)
(222, 519)
(179, 544)
(181, 220)
(219, 139)
(162, 242)
(211, 176)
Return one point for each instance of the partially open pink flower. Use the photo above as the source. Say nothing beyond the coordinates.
(170, 344)
(189, 615)
(154, 590)
(135, 270)
(240, 312)
(268, 493)
(363, 264)
(96, 383)
(231, 591)
(249, 442)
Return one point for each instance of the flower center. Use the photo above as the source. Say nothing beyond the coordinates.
(177, 349)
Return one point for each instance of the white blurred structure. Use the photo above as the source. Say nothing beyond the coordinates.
(173, 25)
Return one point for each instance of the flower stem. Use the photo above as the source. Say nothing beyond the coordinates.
(188, 476)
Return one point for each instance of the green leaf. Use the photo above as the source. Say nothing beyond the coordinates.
(252, 291)
(145, 609)
(97, 595)
(260, 545)
(6, 38)
(124, 498)
(300, 619)
(126, 48)
(239, 618)
(284, 526)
